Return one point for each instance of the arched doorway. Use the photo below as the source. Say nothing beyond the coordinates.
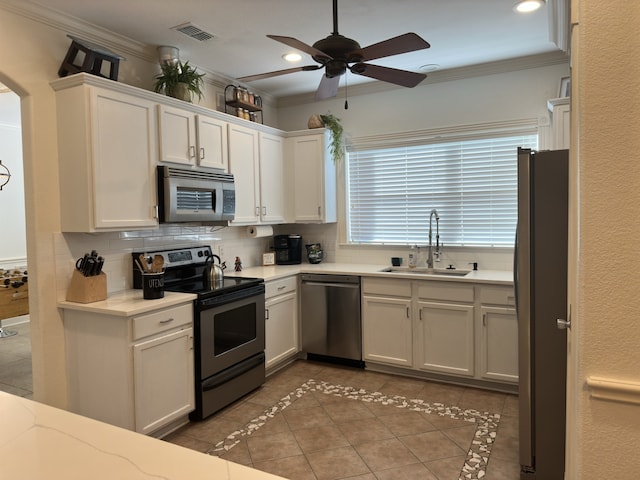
(15, 346)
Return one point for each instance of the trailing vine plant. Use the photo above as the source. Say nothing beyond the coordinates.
(336, 147)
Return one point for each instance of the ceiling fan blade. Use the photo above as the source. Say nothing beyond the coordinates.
(275, 73)
(328, 87)
(295, 43)
(409, 42)
(403, 78)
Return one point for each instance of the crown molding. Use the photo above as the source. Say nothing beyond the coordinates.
(472, 71)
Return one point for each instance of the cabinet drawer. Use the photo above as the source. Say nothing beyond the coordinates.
(162, 320)
(380, 286)
(445, 291)
(497, 295)
(278, 287)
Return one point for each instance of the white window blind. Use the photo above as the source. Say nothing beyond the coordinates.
(471, 182)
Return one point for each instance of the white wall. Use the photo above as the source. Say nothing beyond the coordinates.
(13, 241)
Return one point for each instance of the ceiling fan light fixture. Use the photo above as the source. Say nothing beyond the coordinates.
(527, 6)
(292, 57)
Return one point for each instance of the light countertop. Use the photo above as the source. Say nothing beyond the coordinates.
(130, 302)
(39, 442)
(273, 272)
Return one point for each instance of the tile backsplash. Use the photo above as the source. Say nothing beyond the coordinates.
(232, 242)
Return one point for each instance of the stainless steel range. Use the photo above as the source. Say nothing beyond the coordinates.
(229, 324)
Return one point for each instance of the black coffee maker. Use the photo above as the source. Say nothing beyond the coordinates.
(288, 249)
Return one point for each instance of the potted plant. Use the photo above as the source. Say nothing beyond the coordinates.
(330, 121)
(180, 80)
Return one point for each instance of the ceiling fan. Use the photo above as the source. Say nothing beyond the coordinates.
(337, 54)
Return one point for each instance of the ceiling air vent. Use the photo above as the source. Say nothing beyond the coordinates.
(193, 31)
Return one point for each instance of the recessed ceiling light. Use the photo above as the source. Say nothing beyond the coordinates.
(526, 6)
(292, 57)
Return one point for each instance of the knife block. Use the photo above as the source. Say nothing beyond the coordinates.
(87, 289)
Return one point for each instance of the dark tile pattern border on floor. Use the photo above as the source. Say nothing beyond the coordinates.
(477, 458)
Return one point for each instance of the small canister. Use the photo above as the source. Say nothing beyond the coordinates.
(152, 285)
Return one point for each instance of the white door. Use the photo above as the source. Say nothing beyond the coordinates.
(163, 380)
(272, 188)
(212, 143)
(243, 163)
(499, 344)
(445, 338)
(177, 140)
(124, 149)
(281, 328)
(386, 330)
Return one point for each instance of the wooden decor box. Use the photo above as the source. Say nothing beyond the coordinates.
(87, 289)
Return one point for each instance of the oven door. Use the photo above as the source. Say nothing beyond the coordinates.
(230, 331)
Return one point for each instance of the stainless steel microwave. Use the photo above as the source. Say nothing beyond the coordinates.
(186, 195)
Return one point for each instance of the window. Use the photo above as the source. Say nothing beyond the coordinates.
(471, 182)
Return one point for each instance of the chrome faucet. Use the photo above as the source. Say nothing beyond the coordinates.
(433, 213)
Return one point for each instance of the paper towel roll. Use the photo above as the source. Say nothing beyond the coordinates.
(256, 231)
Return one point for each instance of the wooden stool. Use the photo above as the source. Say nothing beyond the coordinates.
(94, 55)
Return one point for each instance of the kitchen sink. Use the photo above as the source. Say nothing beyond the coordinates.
(445, 272)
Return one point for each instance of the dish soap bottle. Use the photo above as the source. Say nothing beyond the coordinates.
(413, 257)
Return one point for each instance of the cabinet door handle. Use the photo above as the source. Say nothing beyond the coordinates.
(484, 319)
(168, 320)
(264, 210)
(192, 151)
(257, 211)
(282, 287)
(266, 314)
(420, 314)
(201, 153)
(408, 313)
(319, 211)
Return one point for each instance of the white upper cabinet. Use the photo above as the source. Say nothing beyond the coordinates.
(191, 139)
(314, 176)
(560, 109)
(256, 160)
(212, 142)
(107, 148)
(272, 187)
(244, 165)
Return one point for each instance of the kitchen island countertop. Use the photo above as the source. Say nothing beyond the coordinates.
(40, 442)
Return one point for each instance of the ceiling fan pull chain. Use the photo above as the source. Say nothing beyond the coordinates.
(346, 94)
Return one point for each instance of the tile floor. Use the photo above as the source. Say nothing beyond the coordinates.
(15, 359)
(325, 422)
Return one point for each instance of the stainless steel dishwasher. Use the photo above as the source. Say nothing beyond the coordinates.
(331, 324)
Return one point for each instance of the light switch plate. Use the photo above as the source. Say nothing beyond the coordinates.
(268, 258)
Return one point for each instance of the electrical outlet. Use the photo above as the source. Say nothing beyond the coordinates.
(220, 252)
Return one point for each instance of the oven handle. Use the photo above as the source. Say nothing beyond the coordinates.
(232, 372)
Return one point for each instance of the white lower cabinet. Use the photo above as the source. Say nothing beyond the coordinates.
(454, 329)
(387, 326)
(281, 328)
(498, 337)
(445, 338)
(133, 372)
(387, 331)
(163, 379)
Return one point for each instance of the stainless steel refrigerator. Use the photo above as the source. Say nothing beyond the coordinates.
(540, 274)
